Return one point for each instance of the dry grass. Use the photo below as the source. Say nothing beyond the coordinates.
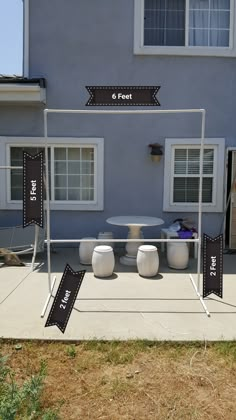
(133, 380)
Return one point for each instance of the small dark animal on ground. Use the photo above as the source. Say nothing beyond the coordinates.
(10, 258)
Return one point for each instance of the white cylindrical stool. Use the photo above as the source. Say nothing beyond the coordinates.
(147, 260)
(103, 261)
(177, 255)
(106, 235)
(86, 251)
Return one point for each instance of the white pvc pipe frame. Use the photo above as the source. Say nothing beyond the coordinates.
(162, 111)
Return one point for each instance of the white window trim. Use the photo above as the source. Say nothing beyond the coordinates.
(218, 182)
(97, 143)
(141, 49)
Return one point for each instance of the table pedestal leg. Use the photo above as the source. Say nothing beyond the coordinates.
(132, 247)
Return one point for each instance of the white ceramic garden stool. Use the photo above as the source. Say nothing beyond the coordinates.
(147, 260)
(178, 255)
(86, 251)
(103, 261)
(106, 235)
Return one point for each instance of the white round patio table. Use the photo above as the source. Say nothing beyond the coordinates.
(134, 223)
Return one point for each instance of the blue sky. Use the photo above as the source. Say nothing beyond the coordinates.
(11, 36)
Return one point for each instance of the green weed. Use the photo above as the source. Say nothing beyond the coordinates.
(71, 351)
(22, 401)
(118, 357)
(226, 349)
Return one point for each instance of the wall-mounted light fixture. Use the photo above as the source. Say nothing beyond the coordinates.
(156, 152)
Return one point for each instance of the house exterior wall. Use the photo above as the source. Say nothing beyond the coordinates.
(82, 43)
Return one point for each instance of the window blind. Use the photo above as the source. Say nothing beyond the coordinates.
(187, 175)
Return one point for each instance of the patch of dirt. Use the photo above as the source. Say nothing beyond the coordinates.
(132, 380)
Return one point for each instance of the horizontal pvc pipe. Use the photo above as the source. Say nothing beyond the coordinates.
(11, 167)
(58, 241)
(151, 111)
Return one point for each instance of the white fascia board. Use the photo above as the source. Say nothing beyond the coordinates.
(19, 92)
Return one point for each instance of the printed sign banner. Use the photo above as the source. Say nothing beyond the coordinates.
(65, 298)
(32, 189)
(212, 265)
(123, 95)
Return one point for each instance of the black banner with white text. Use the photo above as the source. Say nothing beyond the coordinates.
(123, 95)
(65, 298)
(212, 265)
(32, 189)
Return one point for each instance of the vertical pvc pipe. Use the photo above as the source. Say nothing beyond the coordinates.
(47, 201)
(200, 198)
(36, 237)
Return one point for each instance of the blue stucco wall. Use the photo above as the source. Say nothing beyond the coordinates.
(85, 42)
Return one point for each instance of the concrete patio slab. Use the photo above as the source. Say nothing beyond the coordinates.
(124, 306)
(14, 277)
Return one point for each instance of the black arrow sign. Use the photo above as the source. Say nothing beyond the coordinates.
(212, 265)
(123, 95)
(65, 298)
(32, 189)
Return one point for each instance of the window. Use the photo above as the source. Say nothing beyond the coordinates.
(194, 27)
(75, 172)
(182, 175)
(186, 175)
